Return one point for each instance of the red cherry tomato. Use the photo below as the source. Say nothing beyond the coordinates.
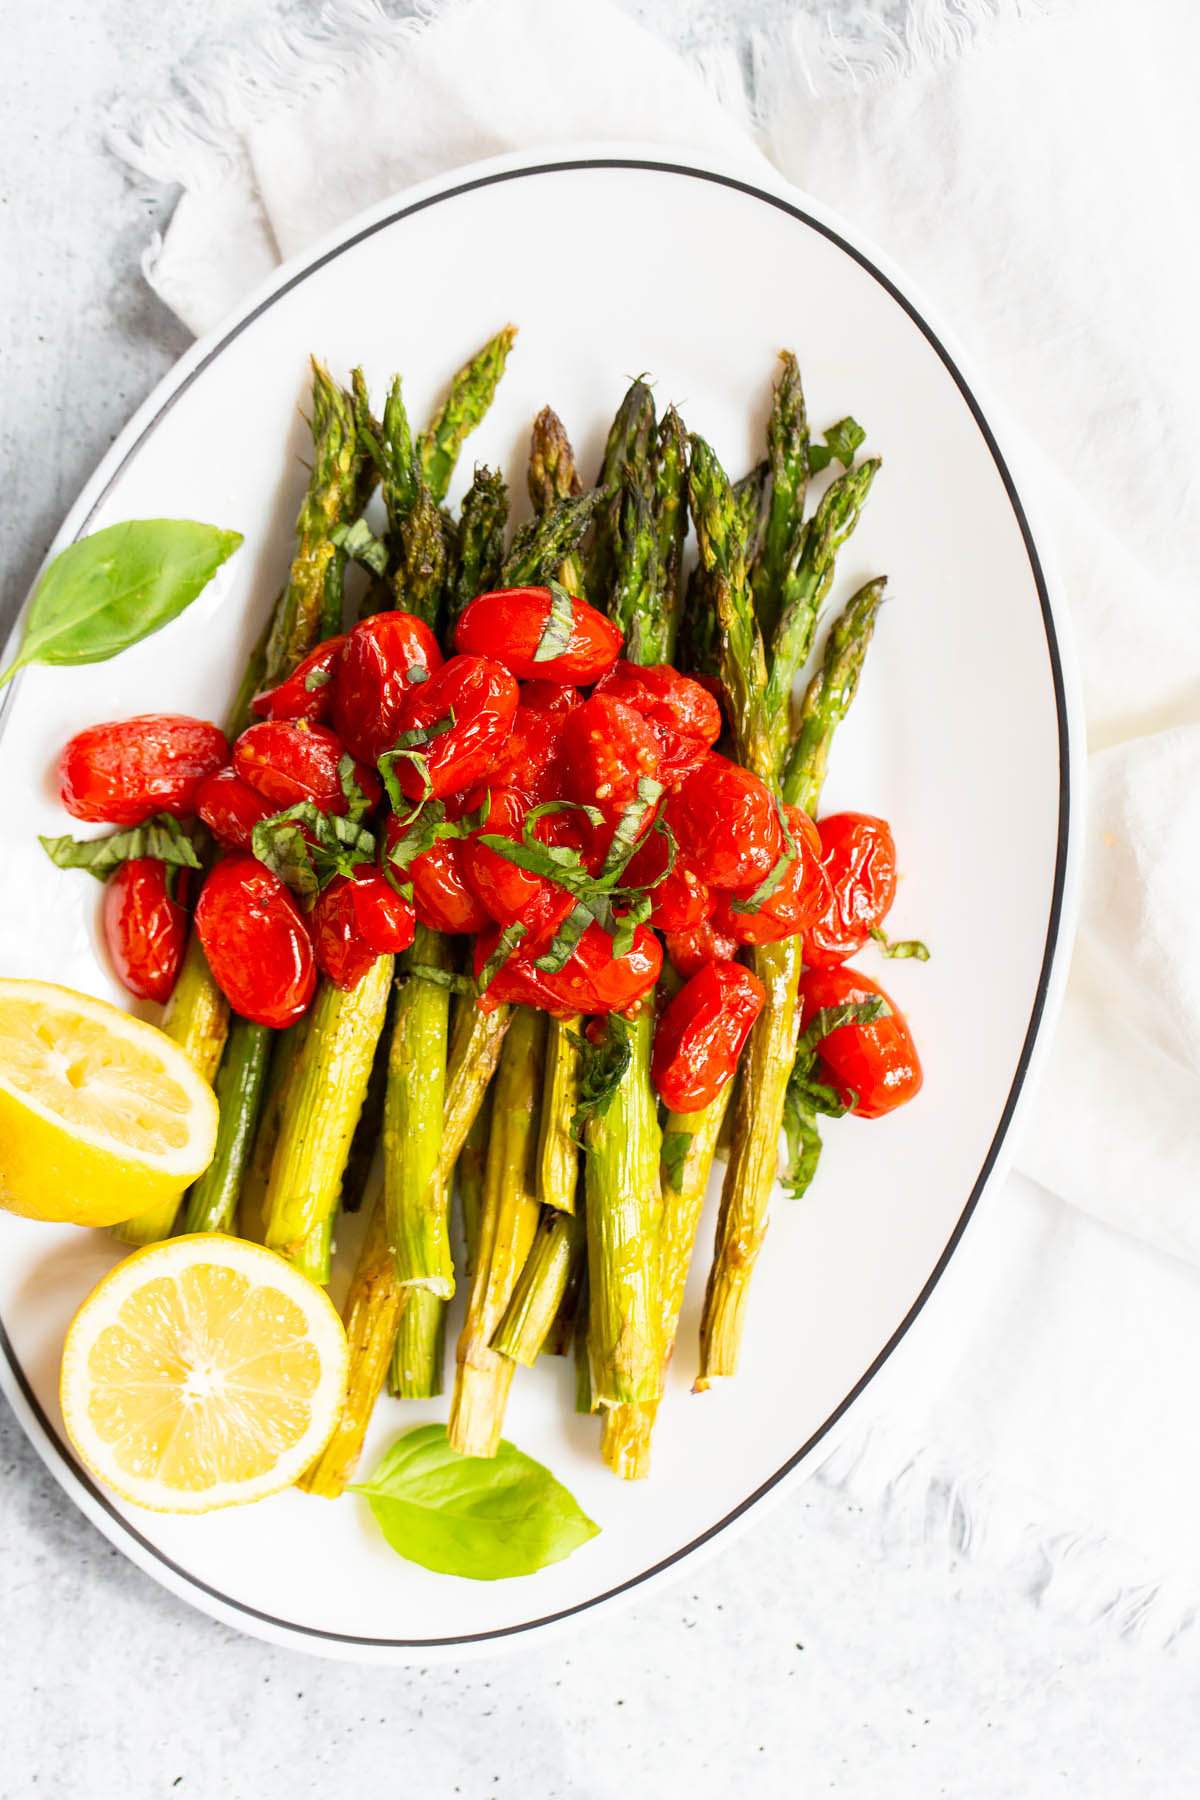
(531, 760)
(230, 809)
(859, 854)
(144, 928)
(287, 763)
(592, 981)
(797, 901)
(692, 949)
(384, 659)
(549, 696)
(356, 919)
(256, 942)
(508, 626)
(607, 747)
(684, 715)
(700, 1035)
(482, 697)
(680, 899)
(125, 772)
(874, 1066)
(441, 898)
(724, 822)
(506, 892)
(308, 691)
(596, 981)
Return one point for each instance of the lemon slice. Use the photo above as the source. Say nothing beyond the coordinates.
(202, 1372)
(101, 1115)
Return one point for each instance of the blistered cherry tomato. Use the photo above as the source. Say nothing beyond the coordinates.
(288, 762)
(384, 658)
(699, 1038)
(607, 747)
(357, 918)
(859, 854)
(678, 900)
(144, 928)
(683, 714)
(442, 899)
(531, 760)
(125, 772)
(798, 900)
(230, 808)
(308, 691)
(256, 942)
(875, 1067)
(724, 822)
(592, 981)
(510, 625)
(549, 696)
(482, 697)
(700, 944)
(506, 892)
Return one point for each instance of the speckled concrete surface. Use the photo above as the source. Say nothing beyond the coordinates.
(809, 1656)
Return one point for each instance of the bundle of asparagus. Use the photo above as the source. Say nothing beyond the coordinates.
(579, 1208)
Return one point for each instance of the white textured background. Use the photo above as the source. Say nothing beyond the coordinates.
(811, 1655)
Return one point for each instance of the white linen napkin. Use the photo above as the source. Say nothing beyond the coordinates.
(1037, 173)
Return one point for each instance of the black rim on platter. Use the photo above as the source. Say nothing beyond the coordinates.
(183, 1578)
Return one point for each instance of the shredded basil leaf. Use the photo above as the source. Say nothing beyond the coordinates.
(560, 623)
(359, 541)
(832, 1018)
(565, 940)
(357, 801)
(423, 734)
(387, 772)
(900, 947)
(629, 825)
(317, 678)
(162, 837)
(458, 984)
(757, 900)
(508, 941)
(307, 860)
(841, 441)
(676, 1147)
(601, 1070)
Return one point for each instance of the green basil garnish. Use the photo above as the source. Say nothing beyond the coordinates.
(485, 1518)
(841, 441)
(162, 837)
(560, 623)
(109, 591)
(359, 542)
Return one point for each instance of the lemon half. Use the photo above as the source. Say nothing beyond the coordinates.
(202, 1372)
(101, 1115)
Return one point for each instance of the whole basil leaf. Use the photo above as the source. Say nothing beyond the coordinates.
(115, 588)
(486, 1518)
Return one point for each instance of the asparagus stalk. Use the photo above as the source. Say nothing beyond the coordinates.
(761, 731)
(630, 438)
(622, 1210)
(778, 521)
(470, 1171)
(828, 696)
(507, 1226)
(544, 544)
(540, 1289)
(558, 1151)
(480, 544)
(375, 1302)
(241, 1081)
(284, 1050)
(321, 1105)
(471, 393)
(416, 1198)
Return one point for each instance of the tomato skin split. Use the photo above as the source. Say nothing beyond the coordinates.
(690, 950)
(700, 1035)
(124, 772)
(683, 715)
(145, 930)
(724, 822)
(256, 941)
(795, 904)
(508, 626)
(875, 1066)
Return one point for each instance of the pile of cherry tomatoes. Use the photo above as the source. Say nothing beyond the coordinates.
(535, 733)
